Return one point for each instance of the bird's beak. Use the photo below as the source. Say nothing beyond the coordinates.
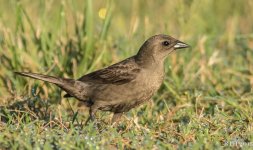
(181, 45)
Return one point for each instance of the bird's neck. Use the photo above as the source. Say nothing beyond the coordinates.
(149, 61)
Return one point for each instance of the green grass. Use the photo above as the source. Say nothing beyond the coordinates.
(206, 99)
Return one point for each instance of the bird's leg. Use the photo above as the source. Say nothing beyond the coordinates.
(92, 113)
(116, 117)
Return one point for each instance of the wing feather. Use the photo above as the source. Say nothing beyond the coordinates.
(119, 73)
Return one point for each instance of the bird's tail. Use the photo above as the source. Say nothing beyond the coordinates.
(69, 85)
(47, 78)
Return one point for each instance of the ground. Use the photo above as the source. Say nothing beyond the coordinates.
(205, 101)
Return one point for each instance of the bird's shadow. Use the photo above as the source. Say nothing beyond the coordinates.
(32, 107)
(35, 108)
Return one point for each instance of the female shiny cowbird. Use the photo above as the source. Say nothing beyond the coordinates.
(121, 86)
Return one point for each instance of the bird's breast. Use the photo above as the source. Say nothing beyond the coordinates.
(130, 94)
(122, 97)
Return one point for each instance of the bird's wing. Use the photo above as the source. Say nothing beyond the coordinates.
(120, 73)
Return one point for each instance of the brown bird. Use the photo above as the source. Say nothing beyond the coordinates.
(121, 86)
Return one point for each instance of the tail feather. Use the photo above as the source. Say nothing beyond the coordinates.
(47, 78)
(67, 85)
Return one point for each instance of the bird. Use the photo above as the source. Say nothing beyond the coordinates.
(124, 85)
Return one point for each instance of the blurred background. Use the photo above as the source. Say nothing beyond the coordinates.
(69, 38)
(205, 101)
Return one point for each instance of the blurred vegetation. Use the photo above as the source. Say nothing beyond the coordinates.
(206, 99)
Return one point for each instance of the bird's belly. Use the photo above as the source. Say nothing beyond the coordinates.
(121, 98)
(119, 93)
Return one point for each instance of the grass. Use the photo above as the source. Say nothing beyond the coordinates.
(206, 99)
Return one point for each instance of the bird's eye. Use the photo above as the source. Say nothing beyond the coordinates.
(166, 43)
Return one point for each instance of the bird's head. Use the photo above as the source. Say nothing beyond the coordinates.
(158, 47)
